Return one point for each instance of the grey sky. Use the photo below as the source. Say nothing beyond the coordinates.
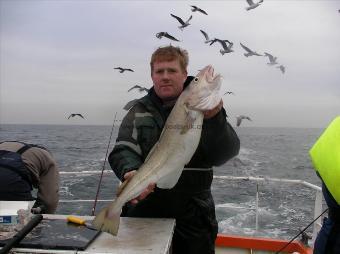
(57, 57)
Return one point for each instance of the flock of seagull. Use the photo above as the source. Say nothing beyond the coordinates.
(227, 47)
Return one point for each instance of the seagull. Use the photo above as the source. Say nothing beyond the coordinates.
(165, 34)
(73, 115)
(130, 104)
(249, 51)
(240, 118)
(219, 40)
(207, 40)
(272, 59)
(140, 88)
(226, 48)
(253, 5)
(121, 70)
(282, 68)
(195, 8)
(228, 92)
(183, 24)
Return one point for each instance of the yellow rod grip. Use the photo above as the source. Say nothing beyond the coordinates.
(75, 220)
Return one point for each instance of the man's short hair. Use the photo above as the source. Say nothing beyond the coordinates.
(170, 53)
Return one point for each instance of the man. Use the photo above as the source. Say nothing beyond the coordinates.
(190, 202)
(325, 155)
(23, 166)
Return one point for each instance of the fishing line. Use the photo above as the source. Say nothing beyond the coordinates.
(303, 230)
(101, 175)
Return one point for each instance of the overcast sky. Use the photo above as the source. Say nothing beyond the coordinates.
(57, 57)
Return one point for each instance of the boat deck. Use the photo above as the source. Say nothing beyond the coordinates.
(136, 235)
(150, 235)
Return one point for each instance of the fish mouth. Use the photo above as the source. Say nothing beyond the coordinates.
(209, 74)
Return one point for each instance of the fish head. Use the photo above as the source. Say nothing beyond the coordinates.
(203, 92)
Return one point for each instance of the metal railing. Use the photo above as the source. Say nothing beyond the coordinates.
(317, 203)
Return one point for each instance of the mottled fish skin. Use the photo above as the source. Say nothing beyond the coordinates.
(174, 149)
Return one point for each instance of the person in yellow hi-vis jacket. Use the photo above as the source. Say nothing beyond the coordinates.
(325, 155)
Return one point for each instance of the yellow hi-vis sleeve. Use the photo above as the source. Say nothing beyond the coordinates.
(325, 155)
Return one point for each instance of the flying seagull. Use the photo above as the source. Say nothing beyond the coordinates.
(183, 24)
(130, 104)
(195, 8)
(219, 40)
(282, 68)
(165, 34)
(226, 48)
(272, 59)
(207, 39)
(253, 5)
(73, 115)
(240, 118)
(228, 92)
(249, 51)
(121, 70)
(140, 88)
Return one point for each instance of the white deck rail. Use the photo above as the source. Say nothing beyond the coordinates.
(317, 204)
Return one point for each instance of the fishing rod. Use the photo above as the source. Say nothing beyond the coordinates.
(101, 175)
(303, 230)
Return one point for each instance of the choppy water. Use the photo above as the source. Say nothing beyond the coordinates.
(265, 152)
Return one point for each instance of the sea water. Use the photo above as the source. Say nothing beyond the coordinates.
(283, 209)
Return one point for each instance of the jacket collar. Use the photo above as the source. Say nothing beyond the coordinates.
(160, 112)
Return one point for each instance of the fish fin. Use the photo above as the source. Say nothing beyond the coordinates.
(107, 224)
(169, 180)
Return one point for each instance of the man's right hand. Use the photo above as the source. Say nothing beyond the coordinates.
(144, 193)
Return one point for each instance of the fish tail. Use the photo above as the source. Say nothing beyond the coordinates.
(106, 223)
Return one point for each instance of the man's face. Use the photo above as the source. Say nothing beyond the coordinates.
(168, 79)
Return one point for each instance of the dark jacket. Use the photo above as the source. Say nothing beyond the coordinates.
(328, 239)
(190, 202)
(143, 124)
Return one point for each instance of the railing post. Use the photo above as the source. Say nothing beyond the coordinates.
(257, 207)
(317, 211)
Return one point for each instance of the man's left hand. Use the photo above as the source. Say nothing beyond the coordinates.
(212, 112)
(144, 193)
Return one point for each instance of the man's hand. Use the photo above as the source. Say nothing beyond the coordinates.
(212, 112)
(144, 193)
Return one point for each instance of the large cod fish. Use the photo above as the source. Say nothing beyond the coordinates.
(174, 149)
